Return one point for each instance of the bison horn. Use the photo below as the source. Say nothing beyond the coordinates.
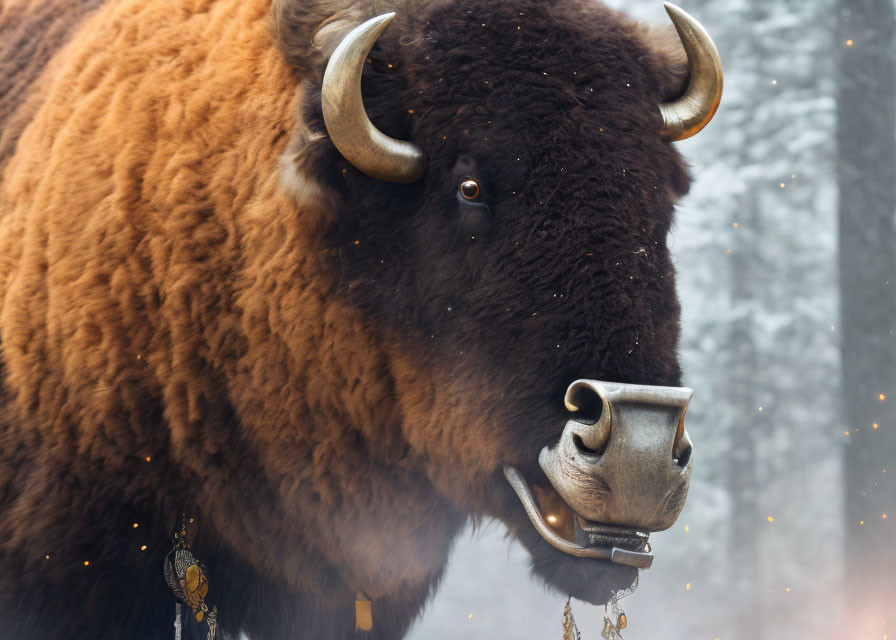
(362, 144)
(686, 116)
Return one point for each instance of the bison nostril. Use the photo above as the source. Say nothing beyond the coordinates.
(685, 456)
(589, 406)
(588, 451)
(590, 420)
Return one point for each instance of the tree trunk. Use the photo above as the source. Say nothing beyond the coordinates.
(866, 137)
(742, 485)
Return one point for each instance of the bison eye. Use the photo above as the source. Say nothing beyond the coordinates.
(469, 189)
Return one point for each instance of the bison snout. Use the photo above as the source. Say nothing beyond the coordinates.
(624, 459)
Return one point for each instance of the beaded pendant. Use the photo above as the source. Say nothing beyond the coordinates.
(188, 579)
(615, 619)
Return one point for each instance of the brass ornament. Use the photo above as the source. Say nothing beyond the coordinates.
(194, 586)
(352, 133)
(570, 630)
(363, 612)
(188, 579)
(615, 619)
(687, 115)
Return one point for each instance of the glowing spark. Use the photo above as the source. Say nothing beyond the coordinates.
(687, 587)
(787, 589)
(87, 563)
(735, 225)
(143, 548)
(782, 185)
(148, 459)
(861, 522)
(686, 528)
(552, 519)
(874, 425)
(884, 516)
(881, 397)
(47, 557)
(771, 519)
(849, 43)
(846, 433)
(470, 617)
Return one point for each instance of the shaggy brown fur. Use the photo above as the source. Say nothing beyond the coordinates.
(203, 307)
(30, 34)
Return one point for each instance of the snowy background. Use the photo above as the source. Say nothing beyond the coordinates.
(763, 545)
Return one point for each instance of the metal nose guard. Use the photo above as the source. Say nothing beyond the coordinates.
(640, 468)
(641, 560)
(628, 480)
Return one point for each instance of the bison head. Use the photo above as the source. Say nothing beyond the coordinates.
(503, 184)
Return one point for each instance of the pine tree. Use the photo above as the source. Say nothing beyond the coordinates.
(866, 135)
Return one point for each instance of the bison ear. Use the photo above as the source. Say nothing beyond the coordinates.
(308, 31)
(668, 59)
(312, 170)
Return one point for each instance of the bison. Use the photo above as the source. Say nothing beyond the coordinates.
(334, 278)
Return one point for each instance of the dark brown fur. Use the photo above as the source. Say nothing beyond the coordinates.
(329, 371)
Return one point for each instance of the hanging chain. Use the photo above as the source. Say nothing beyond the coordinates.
(615, 619)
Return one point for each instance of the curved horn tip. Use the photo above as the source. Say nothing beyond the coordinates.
(688, 115)
(679, 16)
(363, 145)
(672, 8)
(382, 19)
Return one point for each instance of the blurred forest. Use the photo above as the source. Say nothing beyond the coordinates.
(785, 249)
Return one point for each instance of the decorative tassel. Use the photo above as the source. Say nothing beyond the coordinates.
(615, 619)
(570, 630)
(363, 612)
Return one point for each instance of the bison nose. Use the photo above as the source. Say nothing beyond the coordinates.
(624, 458)
(592, 411)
